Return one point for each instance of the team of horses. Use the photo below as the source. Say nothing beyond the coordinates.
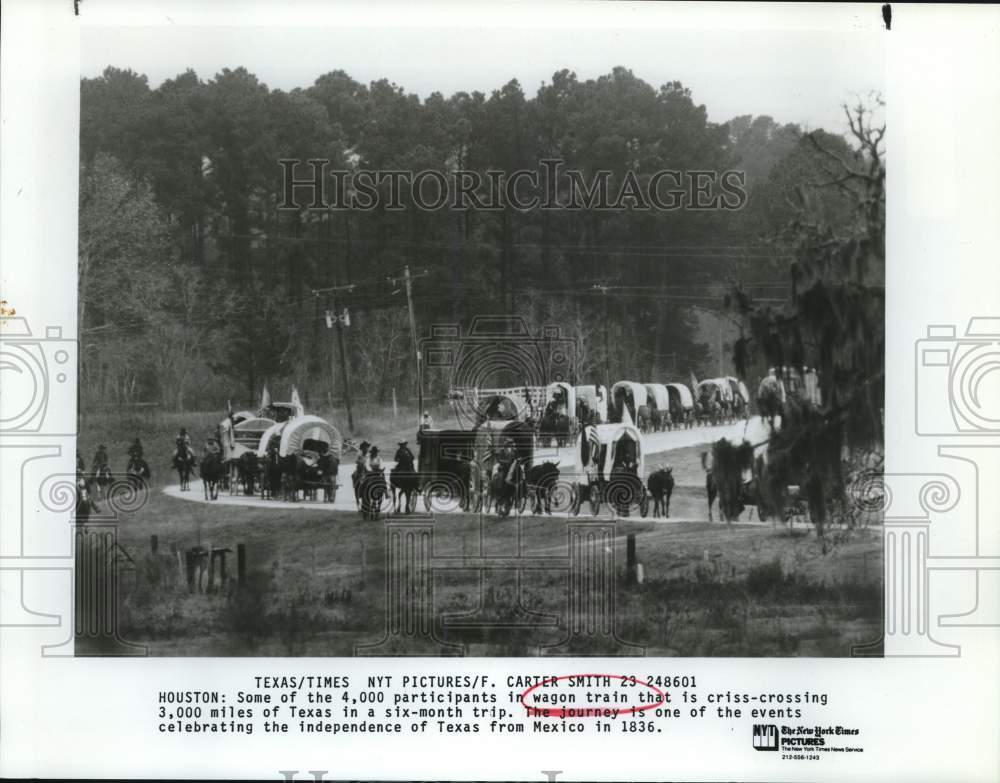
(301, 475)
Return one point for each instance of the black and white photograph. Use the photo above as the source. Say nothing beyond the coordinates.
(466, 344)
(499, 391)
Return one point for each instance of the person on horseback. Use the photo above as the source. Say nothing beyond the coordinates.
(183, 446)
(507, 460)
(374, 461)
(135, 451)
(81, 465)
(404, 457)
(361, 461)
(211, 448)
(100, 459)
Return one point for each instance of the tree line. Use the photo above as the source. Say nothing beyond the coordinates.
(195, 288)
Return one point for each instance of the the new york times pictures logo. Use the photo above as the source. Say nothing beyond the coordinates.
(309, 184)
(768, 737)
(765, 736)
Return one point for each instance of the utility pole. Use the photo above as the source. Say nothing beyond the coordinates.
(408, 279)
(338, 321)
(722, 371)
(607, 353)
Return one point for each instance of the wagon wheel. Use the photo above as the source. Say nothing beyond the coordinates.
(574, 504)
(644, 504)
(595, 500)
(522, 499)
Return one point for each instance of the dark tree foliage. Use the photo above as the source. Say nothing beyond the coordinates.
(834, 319)
(237, 275)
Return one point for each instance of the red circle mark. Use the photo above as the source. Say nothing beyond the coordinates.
(565, 711)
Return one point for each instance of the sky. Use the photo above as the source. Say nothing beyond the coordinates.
(794, 75)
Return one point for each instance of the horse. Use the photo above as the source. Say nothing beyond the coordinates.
(138, 468)
(733, 471)
(84, 502)
(541, 480)
(660, 419)
(404, 481)
(709, 404)
(270, 483)
(643, 418)
(248, 470)
(661, 487)
(503, 493)
(554, 425)
(184, 464)
(624, 487)
(212, 470)
(329, 466)
(373, 489)
(770, 404)
(101, 477)
(290, 476)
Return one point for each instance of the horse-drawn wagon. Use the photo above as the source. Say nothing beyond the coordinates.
(630, 396)
(739, 396)
(301, 454)
(239, 438)
(609, 469)
(504, 453)
(681, 404)
(559, 420)
(659, 406)
(447, 470)
(713, 400)
(596, 400)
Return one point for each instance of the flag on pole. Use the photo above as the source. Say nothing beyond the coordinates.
(265, 398)
(296, 402)
(694, 384)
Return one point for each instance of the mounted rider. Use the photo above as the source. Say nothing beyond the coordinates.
(404, 457)
(135, 451)
(506, 460)
(361, 461)
(100, 460)
(374, 461)
(211, 448)
(182, 444)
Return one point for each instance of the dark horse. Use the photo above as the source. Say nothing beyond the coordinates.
(248, 472)
(212, 471)
(184, 464)
(709, 404)
(102, 479)
(329, 465)
(270, 480)
(404, 480)
(373, 488)
(138, 468)
(542, 480)
(505, 494)
(725, 467)
(661, 487)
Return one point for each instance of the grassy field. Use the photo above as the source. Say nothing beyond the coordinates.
(316, 578)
